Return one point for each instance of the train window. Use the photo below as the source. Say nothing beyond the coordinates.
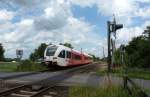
(62, 54)
(77, 57)
(51, 51)
(68, 54)
(86, 58)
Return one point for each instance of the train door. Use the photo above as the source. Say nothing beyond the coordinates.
(68, 58)
(62, 58)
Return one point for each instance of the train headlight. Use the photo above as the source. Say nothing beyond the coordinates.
(54, 57)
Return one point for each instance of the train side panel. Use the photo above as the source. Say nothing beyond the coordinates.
(78, 59)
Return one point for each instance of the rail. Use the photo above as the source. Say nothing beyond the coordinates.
(47, 82)
(130, 85)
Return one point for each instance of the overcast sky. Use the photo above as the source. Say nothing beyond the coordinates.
(24, 24)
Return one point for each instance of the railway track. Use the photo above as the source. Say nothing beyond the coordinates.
(26, 91)
(46, 84)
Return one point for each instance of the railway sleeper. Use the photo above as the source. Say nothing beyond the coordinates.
(19, 95)
(47, 96)
(27, 92)
(52, 93)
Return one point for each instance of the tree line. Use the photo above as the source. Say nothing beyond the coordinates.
(2, 52)
(137, 51)
(38, 53)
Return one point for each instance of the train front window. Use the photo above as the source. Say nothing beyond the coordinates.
(62, 54)
(51, 51)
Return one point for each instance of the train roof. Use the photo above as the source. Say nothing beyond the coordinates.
(69, 49)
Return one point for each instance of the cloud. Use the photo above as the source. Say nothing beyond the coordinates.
(143, 12)
(56, 24)
(83, 3)
(53, 21)
(126, 34)
(117, 7)
(142, 1)
(24, 3)
(107, 7)
(54, 17)
(125, 10)
(6, 15)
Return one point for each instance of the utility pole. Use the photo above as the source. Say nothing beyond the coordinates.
(81, 50)
(103, 53)
(109, 50)
(112, 27)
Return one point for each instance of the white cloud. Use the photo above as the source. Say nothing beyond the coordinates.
(143, 12)
(54, 17)
(6, 15)
(56, 23)
(124, 10)
(126, 34)
(84, 3)
(26, 22)
(25, 33)
(147, 23)
(117, 7)
(142, 1)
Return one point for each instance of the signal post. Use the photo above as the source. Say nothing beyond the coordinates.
(112, 27)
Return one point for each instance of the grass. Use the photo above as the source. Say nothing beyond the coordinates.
(33, 66)
(8, 66)
(19, 67)
(105, 91)
(147, 91)
(133, 73)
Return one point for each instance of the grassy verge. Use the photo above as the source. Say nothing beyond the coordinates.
(8, 66)
(106, 91)
(21, 67)
(147, 91)
(30, 66)
(133, 73)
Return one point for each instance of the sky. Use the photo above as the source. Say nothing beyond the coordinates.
(25, 24)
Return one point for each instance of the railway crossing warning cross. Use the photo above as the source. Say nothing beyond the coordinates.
(112, 28)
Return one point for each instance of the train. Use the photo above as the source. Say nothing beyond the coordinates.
(62, 56)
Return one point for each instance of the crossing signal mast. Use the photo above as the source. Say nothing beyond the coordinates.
(112, 27)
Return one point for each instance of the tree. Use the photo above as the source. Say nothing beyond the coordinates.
(117, 58)
(34, 56)
(1, 52)
(146, 33)
(94, 57)
(138, 50)
(67, 45)
(39, 52)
